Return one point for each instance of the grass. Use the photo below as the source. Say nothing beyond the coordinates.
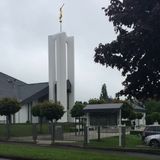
(132, 141)
(20, 130)
(42, 153)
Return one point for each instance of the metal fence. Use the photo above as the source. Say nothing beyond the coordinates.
(76, 133)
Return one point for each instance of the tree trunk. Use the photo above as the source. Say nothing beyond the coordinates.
(79, 126)
(52, 132)
(9, 119)
(8, 127)
(40, 127)
(75, 127)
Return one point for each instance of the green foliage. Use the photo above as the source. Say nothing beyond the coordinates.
(104, 94)
(136, 132)
(77, 110)
(37, 110)
(49, 110)
(132, 115)
(126, 110)
(52, 111)
(9, 106)
(152, 106)
(139, 115)
(149, 119)
(135, 52)
(96, 101)
(152, 111)
(155, 116)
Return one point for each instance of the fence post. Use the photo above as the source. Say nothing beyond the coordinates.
(122, 135)
(52, 132)
(99, 133)
(8, 131)
(34, 132)
(85, 135)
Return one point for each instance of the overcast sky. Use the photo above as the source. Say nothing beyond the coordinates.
(24, 29)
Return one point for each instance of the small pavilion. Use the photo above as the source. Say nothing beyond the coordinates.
(103, 114)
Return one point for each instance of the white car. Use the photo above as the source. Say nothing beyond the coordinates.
(153, 140)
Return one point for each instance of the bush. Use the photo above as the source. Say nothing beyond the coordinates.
(136, 133)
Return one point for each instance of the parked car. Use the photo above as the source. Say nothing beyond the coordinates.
(153, 140)
(150, 130)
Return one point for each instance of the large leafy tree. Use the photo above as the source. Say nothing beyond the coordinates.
(136, 50)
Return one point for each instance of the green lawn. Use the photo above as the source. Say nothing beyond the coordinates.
(20, 130)
(42, 153)
(132, 141)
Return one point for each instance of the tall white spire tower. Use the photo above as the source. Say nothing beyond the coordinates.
(61, 71)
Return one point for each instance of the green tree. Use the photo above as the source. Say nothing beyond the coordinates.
(155, 116)
(77, 113)
(152, 111)
(104, 94)
(139, 116)
(152, 106)
(149, 119)
(52, 111)
(77, 110)
(135, 51)
(96, 101)
(8, 107)
(132, 115)
(37, 111)
(126, 110)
